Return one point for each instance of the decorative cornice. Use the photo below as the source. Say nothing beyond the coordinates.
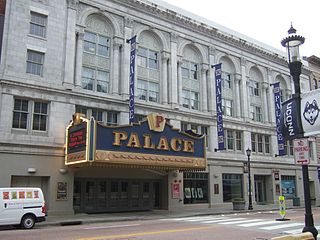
(202, 28)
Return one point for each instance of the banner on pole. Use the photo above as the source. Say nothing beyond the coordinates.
(220, 129)
(277, 104)
(310, 112)
(290, 120)
(132, 42)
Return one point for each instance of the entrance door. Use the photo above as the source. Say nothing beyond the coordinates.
(156, 195)
(260, 189)
(89, 198)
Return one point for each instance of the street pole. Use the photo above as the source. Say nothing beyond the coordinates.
(292, 43)
(249, 180)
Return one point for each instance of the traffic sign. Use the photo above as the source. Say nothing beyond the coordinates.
(301, 151)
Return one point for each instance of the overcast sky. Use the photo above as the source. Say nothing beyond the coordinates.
(265, 21)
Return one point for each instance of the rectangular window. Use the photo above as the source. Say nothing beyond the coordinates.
(20, 114)
(233, 140)
(40, 116)
(194, 100)
(185, 98)
(29, 114)
(38, 24)
(109, 118)
(254, 88)
(260, 143)
(189, 70)
(147, 58)
(35, 62)
(112, 118)
(256, 113)
(227, 107)
(95, 80)
(232, 186)
(226, 80)
(96, 44)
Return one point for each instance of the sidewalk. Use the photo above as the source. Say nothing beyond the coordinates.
(83, 218)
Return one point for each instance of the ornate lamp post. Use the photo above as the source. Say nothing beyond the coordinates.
(248, 151)
(292, 43)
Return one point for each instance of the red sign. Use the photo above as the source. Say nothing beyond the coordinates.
(175, 190)
(301, 151)
(77, 138)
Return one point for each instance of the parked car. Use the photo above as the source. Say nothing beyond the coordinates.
(22, 206)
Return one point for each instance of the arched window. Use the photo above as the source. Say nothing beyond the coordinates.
(148, 77)
(96, 62)
(190, 79)
(283, 88)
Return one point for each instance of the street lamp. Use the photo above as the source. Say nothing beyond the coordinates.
(249, 179)
(292, 43)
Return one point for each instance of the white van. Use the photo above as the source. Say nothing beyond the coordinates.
(22, 206)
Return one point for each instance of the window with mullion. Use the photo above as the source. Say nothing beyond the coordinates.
(185, 98)
(189, 70)
(254, 88)
(227, 107)
(256, 113)
(96, 44)
(147, 58)
(30, 115)
(40, 116)
(148, 91)
(260, 143)
(112, 118)
(20, 114)
(226, 80)
(35, 62)
(102, 81)
(230, 140)
(194, 97)
(87, 78)
(253, 142)
(238, 141)
(38, 24)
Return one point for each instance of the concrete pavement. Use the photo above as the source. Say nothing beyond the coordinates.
(83, 218)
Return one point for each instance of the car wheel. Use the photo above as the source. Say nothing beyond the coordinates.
(28, 222)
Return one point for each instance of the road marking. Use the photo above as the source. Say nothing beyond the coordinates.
(243, 221)
(288, 225)
(144, 233)
(257, 224)
(223, 220)
(205, 219)
(112, 226)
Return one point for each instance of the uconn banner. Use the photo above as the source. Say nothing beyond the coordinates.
(290, 120)
(277, 103)
(220, 130)
(132, 42)
(310, 112)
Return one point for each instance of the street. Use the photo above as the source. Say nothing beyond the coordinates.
(244, 226)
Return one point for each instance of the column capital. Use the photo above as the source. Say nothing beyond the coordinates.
(264, 85)
(237, 77)
(117, 42)
(73, 4)
(80, 32)
(179, 60)
(204, 67)
(165, 55)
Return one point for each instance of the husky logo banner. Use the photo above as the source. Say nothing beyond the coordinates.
(132, 42)
(277, 103)
(310, 112)
(290, 122)
(220, 129)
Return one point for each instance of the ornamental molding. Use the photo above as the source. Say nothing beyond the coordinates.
(202, 28)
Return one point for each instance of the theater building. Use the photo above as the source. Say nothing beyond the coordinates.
(64, 103)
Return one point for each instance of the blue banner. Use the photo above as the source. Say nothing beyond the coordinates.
(132, 42)
(277, 105)
(290, 121)
(220, 130)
